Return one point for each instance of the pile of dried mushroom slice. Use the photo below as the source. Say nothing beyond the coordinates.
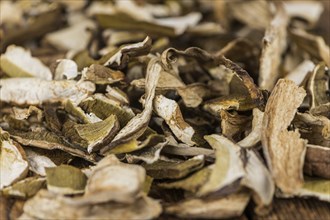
(140, 109)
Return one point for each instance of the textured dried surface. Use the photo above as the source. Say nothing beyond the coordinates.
(284, 150)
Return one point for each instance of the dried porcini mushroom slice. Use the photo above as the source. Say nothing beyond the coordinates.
(98, 134)
(120, 59)
(66, 180)
(42, 206)
(25, 188)
(35, 91)
(315, 187)
(274, 44)
(163, 169)
(38, 162)
(14, 165)
(18, 62)
(316, 129)
(317, 161)
(318, 85)
(284, 150)
(169, 110)
(233, 125)
(100, 74)
(255, 135)
(227, 207)
(138, 124)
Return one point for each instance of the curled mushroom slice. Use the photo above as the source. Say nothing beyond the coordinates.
(35, 91)
(14, 165)
(255, 135)
(274, 44)
(139, 123)
(228, 165)
(318, 85)
(317, 161)
(169, 110)
(233, 125)
(284, 150)
(121, 57)
(98, 134)
(315, 187)
(100, 74)
(18, 62)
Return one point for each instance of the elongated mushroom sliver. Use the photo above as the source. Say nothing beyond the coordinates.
(284, 150)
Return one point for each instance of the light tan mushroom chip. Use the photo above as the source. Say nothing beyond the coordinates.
(284, 150)
(228, 165)
(274, 44)
(13, 162)
(18, 62)
(227, 207)
(35, 91)
(169, 110)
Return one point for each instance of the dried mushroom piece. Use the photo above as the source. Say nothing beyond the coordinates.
(100, 74)
(274, 44)
(255, 135)
(120, 59)
(25, 188)
(14, 165)
(35, 91)
(42, 206)
(284, 150)
(318, 85)
(315, 187)
(312, 44)
(18, 62)
(38, 162)
(66, 69)
(192, 183)
(66, 180)
(169, 110)
(234, 125)
(139, 123)
(317, 161)
(164, 169)
(98, 134)
(115, 182)
(49, 141)
(148, 155)
(227, 207)
(228, 166)
(316, 129)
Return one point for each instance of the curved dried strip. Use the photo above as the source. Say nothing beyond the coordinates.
(35, 91)
(234, 125)
(228, 165)
(317, 161)
(274, 44)
(259, 179)
(315, 187)
(318, 85)
(169, 110)
(255, 135)
(139, 123)
(100, 74)
(120, 59)
(284, 150)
